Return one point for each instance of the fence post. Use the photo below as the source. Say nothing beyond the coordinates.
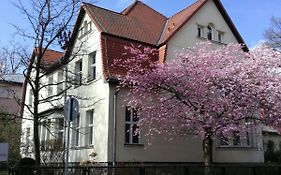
(222, 170)
(142, 170)
(186, 170)
(254, 170)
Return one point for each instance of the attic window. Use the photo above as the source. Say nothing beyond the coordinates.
(220, 36)
(200, 31)
(210, 32)
(85, 29)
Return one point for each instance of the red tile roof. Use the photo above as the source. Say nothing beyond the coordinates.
(139, 22)
(113, 50)
(175, 22)
(50, 57)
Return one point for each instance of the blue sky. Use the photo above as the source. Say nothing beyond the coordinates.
(251, 17)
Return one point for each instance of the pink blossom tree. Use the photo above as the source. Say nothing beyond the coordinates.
(205, 91)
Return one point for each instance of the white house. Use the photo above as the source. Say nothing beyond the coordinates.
(105, 125)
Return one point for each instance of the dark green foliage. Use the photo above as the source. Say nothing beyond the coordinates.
(270, 154)
(25, 166)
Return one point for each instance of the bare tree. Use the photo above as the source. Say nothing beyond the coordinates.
(50, 21)
(13, 59)
(273, 33)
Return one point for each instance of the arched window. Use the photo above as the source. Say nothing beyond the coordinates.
(210, 32)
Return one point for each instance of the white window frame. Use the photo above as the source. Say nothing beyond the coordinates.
(50, 86)
(220, 36)
(60, 128)
(78, 72)
(92, 69)
(246, 138)
(90, 125)
(200, 31)
(60, 82)
(130, 114)
(210, 32)
(76, 125)
(31, 97)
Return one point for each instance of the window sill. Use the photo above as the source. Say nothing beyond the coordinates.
(134, 144)
(82, 147)
(236, 148)
(91, 80)
(213, 41)
(85, 34)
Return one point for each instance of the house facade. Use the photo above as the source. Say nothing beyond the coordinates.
(105, 124)
(10, 122)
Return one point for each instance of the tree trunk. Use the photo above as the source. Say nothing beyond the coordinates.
(36, 142)
(208, 153)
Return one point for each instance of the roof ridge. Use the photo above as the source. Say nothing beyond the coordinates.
(50, 50)
(152, 9)
(186, 8)
(130, 7)
(111, 11)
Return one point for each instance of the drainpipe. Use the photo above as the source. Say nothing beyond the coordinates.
(114, 126)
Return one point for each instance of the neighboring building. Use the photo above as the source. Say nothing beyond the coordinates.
(10, 122)
(11, 93)
(105, 124)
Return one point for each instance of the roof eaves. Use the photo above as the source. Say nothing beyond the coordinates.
(231, 24)
(162, 33)
(185, 21)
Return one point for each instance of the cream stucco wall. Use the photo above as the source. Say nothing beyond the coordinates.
(95, 94)
(187, 35)
(158, 149)
(92, 95)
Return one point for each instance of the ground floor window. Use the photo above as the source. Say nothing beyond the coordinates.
(132, 135)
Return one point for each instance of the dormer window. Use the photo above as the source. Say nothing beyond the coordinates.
(210, 32)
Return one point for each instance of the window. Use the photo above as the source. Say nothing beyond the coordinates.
(30, 100)
(200, 30)
(85, 27)
(27, 136)
(43, 132)
(90, 128)
(210, 33)
(60, 129)
(50, 85)
(92, 66)
(131, 126)
(220, 36)
(239, 138)
(60, 82)
(81, 32)
(76, 132)
(48, 134)
(78, 73)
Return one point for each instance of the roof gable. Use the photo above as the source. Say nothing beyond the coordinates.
(175, 22)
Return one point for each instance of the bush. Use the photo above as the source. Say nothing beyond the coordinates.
(25, 166)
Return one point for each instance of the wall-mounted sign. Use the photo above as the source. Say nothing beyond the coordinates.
(4, 149)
